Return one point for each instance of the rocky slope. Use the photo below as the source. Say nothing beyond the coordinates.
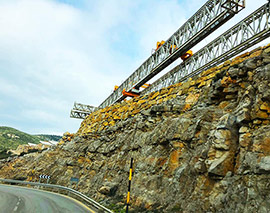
(198, 146)
(26, 149)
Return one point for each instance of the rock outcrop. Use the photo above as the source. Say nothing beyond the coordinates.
(26, 149)
(198, 146)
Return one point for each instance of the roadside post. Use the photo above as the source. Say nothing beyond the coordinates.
(129, 183)
(131, 168)
(47, 177)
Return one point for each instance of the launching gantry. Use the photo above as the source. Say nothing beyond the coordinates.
(206, 20)
(247, 33)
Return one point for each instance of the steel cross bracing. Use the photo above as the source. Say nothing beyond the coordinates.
(250, 31)
(78, 114)
(209, 17)
(81, 110)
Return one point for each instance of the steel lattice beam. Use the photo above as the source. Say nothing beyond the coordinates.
(81, 110)
(248, 32)
(83, 107)
(208, 18)
(78, 114)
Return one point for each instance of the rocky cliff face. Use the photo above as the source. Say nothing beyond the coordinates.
(198, 146)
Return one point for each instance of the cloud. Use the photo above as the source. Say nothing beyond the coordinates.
(55, 52)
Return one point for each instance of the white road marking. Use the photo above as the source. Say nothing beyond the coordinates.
(17, 205)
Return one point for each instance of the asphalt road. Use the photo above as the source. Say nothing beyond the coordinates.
(26, 200)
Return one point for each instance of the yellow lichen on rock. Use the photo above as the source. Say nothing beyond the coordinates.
(261, 114)
(265, 107)
(207, 72)
(112, 123)
(255, 54)
(110, 115)
(116, 117)
(225, 81)
(190, 100)
(140, 102)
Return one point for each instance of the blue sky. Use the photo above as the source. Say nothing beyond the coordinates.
(55, 52)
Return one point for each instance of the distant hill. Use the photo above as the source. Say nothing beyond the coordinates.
(48, 137)
(11, 138)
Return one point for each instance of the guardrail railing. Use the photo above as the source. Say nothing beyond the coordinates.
(62, 190)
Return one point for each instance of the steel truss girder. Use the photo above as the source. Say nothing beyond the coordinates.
(81, 110)
(83, 107)
(209, 17)
(248, 32)
(78, 114)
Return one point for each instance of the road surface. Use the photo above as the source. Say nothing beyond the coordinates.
(15, 199)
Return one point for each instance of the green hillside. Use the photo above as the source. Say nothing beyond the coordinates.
(11, 138)
(48, 137)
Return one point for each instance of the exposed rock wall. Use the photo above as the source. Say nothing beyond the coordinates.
(198, 146)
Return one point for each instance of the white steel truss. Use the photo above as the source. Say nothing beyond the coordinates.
(248, 32)
(208, 18)
(81, 110)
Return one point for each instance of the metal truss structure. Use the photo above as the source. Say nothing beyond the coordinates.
(81, 110)
(208, 18)
(248, 32)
